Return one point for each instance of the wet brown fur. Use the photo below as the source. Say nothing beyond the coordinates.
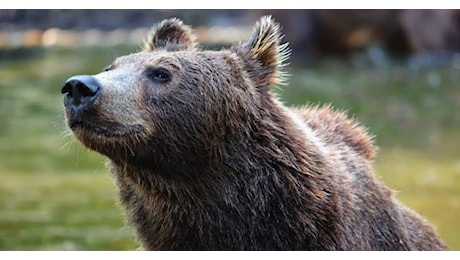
(211, 160)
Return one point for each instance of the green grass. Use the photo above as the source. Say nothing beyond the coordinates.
(57, 195)
(427, 183)
(52, 211)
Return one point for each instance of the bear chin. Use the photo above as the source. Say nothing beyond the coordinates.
(104, 137)
(105, 130)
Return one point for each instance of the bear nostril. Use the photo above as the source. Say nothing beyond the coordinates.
(80, 90)
(67, 88)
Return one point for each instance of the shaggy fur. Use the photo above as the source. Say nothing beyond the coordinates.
(205, 157)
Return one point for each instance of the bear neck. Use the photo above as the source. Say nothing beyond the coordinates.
(170, 200)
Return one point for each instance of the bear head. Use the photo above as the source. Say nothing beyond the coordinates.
(173, 102)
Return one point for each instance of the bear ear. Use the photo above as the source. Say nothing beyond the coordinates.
(265, 49)
(170, 35)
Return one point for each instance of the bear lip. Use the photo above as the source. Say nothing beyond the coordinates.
(104, 129)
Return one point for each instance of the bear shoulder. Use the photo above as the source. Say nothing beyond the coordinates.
(336, 128)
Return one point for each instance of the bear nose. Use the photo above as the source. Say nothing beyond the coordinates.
(81, 91)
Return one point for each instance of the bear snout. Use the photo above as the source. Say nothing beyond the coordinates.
(81, 91)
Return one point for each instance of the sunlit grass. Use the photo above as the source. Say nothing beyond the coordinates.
(67, 211)
(57, 195)
(428, 182)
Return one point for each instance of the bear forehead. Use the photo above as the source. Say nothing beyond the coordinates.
(175, 60)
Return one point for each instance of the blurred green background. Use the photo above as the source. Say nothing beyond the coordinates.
(57, 195)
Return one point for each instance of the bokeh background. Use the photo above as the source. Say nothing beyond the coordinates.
(395, 71)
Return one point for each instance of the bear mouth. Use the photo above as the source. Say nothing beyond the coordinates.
(101, 130)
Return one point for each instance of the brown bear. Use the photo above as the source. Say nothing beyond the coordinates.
(206, 157)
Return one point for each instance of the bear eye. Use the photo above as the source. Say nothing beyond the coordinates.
(108, 68)
(159, 75)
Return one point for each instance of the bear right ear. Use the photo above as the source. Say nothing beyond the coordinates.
(170, 35)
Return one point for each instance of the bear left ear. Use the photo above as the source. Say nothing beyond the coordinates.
(265, 49)
(170, 35)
